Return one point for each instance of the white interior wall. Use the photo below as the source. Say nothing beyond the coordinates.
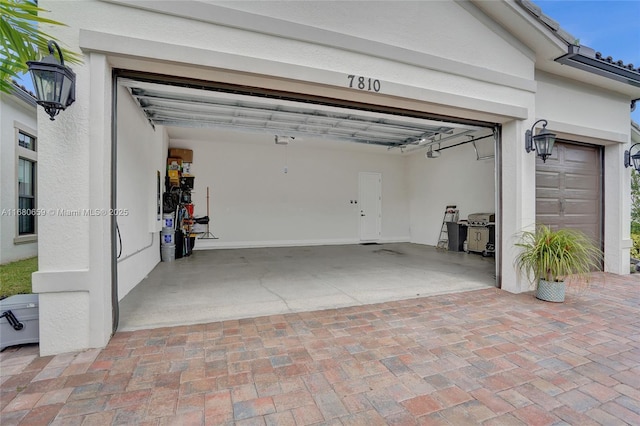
(254, 203)
(456, 177)
(141, 154)
(13, 113)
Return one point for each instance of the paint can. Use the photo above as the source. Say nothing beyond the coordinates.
(167, 220)
(168, 252)
(168, 236)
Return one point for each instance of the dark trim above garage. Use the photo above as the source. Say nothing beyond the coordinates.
(586, 59)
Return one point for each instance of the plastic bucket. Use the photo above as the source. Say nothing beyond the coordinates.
(167, 220)
(168, 252)
(168, 236)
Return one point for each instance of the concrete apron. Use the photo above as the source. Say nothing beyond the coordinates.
(218, 285)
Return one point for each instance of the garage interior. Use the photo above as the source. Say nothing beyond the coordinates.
(312, 206)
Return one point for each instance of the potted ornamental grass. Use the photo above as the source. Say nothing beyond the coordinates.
(549, 257)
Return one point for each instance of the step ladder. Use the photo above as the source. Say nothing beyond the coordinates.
(450, 215)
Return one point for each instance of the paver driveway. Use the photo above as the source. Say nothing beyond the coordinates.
(480, 357)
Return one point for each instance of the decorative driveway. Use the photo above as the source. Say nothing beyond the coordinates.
(478, 357)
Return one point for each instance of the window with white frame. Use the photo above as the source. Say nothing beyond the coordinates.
(27, 174)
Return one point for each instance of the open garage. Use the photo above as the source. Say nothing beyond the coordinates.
(271, 172)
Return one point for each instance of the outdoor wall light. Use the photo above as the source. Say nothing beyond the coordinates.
(54, 83)
(543, 141)
(635, 158)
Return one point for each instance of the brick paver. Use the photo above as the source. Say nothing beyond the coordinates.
(480, 357)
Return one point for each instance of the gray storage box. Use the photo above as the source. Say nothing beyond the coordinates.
(20, 320)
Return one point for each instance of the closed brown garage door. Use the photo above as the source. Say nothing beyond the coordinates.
(569, 189)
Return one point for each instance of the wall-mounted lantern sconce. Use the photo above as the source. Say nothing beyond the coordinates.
(628, 158)
(543, 141)
(54, 83)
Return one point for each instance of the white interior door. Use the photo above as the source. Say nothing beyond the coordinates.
(370, 202)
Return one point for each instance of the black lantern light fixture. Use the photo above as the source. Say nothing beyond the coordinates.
(54, 83)
(632, 160)
(543, 141)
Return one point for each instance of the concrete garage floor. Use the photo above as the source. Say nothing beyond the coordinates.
(218, 285)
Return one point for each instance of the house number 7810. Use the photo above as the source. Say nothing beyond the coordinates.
(363, 83)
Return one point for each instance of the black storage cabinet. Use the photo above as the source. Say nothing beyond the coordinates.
(457, 234)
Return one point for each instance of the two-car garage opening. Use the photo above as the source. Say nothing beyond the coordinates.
(316, 203)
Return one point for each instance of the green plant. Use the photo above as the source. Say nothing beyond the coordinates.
(15, 277)
(22, 39)
(635, 249)
(635, 201)
(553, 255)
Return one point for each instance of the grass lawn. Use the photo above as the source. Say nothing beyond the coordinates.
(15, 277)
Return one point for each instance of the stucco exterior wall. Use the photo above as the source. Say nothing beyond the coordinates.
(582, 113)
(14, 114)
(301, 51)
(408, 25)
(74, 275)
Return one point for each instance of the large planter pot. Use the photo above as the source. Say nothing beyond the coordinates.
(550, 291)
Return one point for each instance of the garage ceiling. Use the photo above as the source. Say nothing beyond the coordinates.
(175, 106)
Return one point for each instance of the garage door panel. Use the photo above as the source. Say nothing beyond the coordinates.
(578, 194)
(580, 156)
(587, 229)
(548, 180)
(580, 181)
(584, 207)
(546, 207)
(550, 220)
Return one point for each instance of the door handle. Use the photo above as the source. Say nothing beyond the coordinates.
(362, 213)
(561, 206)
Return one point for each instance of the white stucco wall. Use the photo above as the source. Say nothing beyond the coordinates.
(583, 113)
(518, 200)
(454, 178)
(141, 154)
(254, 203)
(397, 23)
(74, 254)
(14, 114)
(312, 51)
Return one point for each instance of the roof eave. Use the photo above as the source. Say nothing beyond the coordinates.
(22, 94)
(586, 59)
